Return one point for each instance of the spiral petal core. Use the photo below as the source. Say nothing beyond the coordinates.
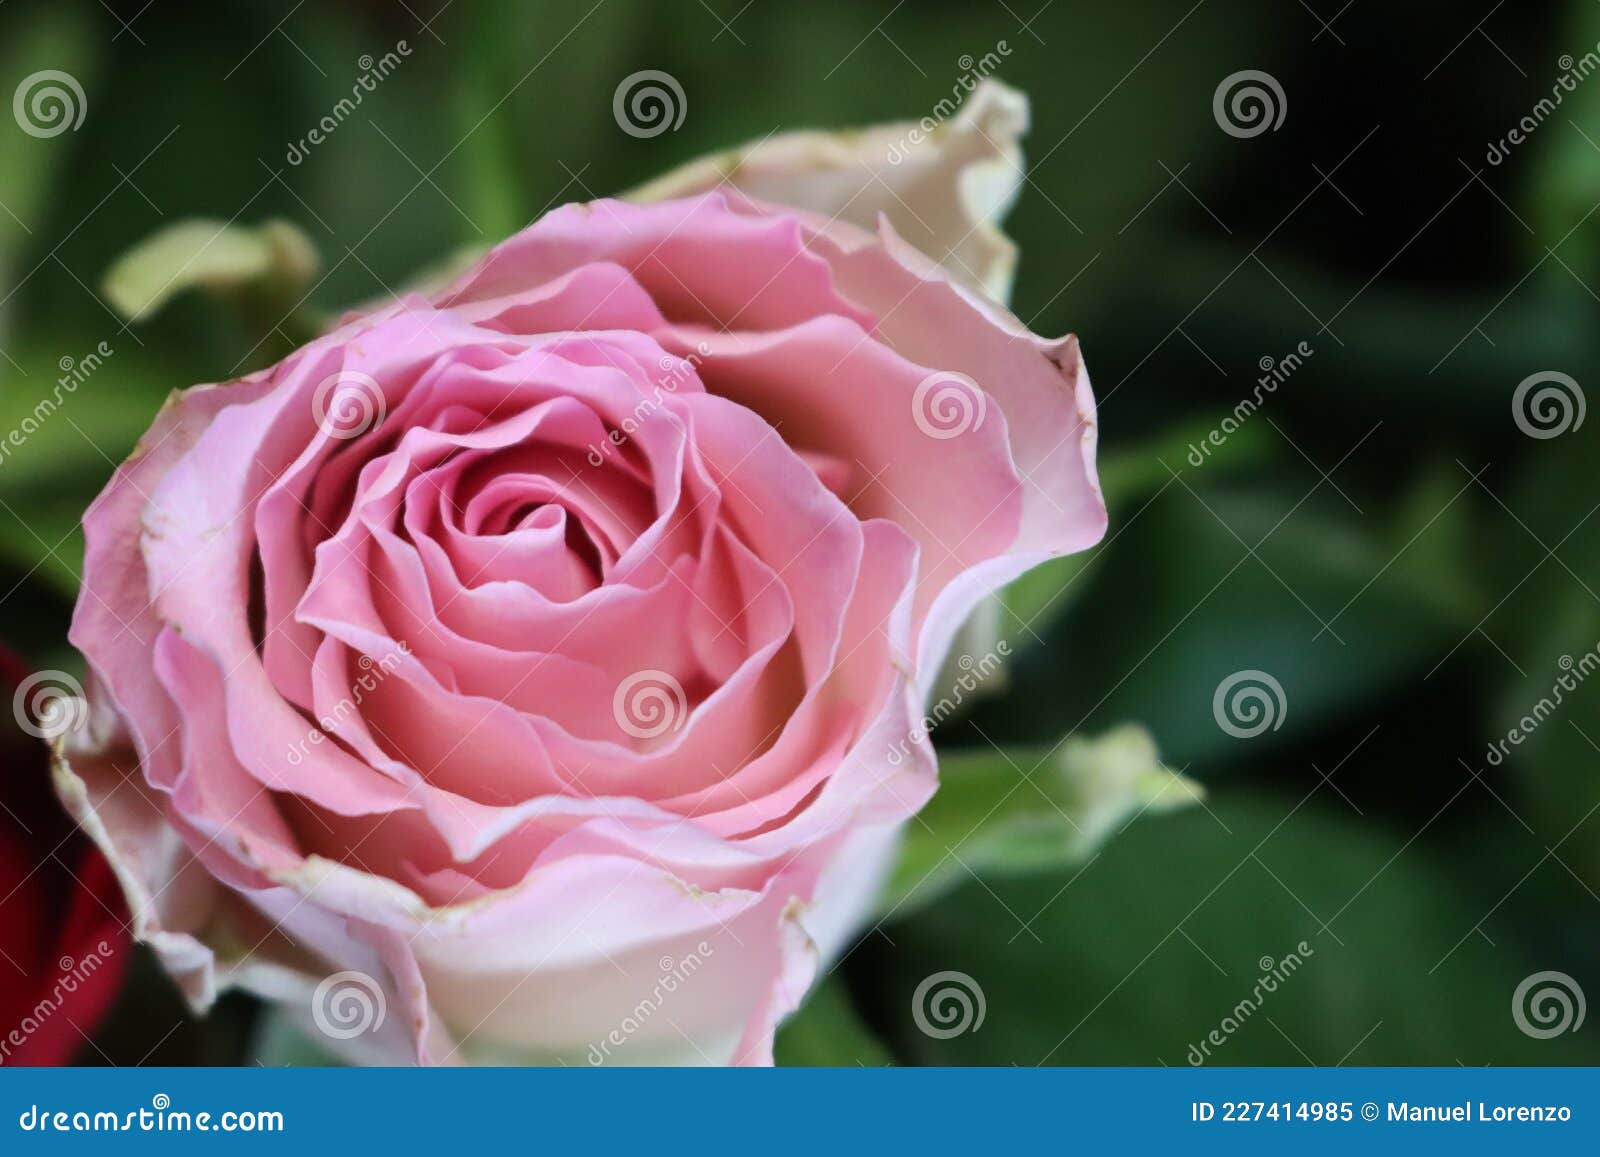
(501, 645)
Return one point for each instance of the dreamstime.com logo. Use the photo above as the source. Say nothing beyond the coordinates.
(72, 974)
(1548, 404)
(649, 103)
(1249, 703)
(48, 103)
(347, 1005)
(1548, 1004)
(1273, 974)
(948, 1004)
(160, 1117)
(49, 704)
(1249, 103)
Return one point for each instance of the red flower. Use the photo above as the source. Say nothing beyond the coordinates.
(63, 929)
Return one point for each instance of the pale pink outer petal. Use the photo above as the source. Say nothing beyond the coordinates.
(1040, 385)
(211, 938)
(945, 183)
(172, 900)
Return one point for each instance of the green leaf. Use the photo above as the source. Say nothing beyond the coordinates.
(828, 1032)
(1028, 811)
(275, 259)
(1542, 641)
(60, 39)
(1368, 943)
(1565, 163)
(43, 542)
(1217, 580)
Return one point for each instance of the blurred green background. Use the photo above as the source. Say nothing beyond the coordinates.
(1383, 537)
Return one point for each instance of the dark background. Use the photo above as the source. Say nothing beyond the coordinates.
(1381, 537)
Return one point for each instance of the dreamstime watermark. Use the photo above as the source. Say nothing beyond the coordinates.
(347, 404)
(347, 1005)
(650, 703)
(948, 1004)
(48, 103)
(1548, 1004)
(1274, 372)
(648, 103)
(72, 974)
(373, 73)
(1273, 974)
(1573, 73)
(74, 372)
(373, 673)
(947, 404)
(160, 1117)
(974, 674)
(674, 974)
(675, 371)
(973, 73)
(1548, 404)
(1574, 673)
(48, 704)
(1248, 703)
(1249, 103)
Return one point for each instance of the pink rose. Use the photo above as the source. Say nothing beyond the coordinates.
(509, 659)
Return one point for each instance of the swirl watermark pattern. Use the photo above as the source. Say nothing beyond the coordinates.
(1548, 404)
(48, 103)
(649, 103)
(1249, 103)
(1249, 703)
(1548, 1004)
(348, 1004)
(947, 405)
(348, 404)
(49, 704)
(648, 704)
(948, 1004)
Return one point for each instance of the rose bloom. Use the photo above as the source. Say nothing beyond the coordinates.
(63, 933)
(523, 672)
